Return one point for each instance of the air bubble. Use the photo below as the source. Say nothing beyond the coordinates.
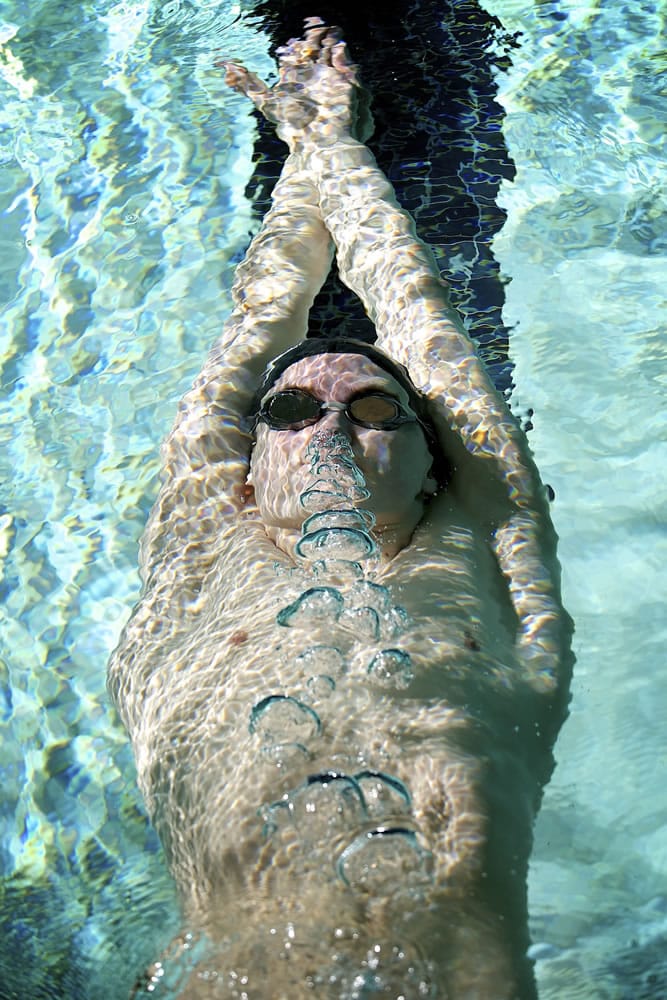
(276, 817)
(340, 467)
(349, 544)
(326, 805)
(395, 622)
(321, 496)
(364, 622)
(325, 493)
(337, 570)
(370, 595)
(384, 795)
(322, 660)
(285, 753)
(281, 719)
(346, 517)
(385, 860)
(392, 668)
(318, 604)
(321, 686)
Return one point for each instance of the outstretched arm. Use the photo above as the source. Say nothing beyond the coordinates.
(205, 456)
(393, 272)
(317, 107)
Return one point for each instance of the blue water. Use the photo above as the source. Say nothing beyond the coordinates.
(124, 170)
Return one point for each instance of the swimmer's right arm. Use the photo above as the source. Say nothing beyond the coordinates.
(205, 456)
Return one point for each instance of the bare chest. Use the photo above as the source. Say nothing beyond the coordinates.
(267, 622)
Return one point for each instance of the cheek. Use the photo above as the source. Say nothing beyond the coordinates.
(262, 470)
(373, 458)
(273, 465)
(397, 459)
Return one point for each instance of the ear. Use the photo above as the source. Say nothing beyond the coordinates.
(250, 478)
(430, 485)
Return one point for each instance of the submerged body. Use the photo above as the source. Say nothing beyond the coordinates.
(342, 734)
(461, 729)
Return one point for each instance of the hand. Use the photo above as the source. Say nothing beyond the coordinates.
(317, 98)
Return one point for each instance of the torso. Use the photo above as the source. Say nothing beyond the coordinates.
(421, 700)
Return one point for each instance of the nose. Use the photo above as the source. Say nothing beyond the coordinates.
(338, 443)
(335, 418)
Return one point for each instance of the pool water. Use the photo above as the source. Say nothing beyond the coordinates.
(585, 244)
(129, 191)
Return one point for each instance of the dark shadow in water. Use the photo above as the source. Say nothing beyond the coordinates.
(438, 137)
(641, 969)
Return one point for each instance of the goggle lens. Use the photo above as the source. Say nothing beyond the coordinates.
(287, 409)
(293, 409)
(374, 410)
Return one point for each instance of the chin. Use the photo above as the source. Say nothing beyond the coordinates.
(406, 520)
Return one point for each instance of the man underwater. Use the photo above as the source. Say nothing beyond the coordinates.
(350, 661)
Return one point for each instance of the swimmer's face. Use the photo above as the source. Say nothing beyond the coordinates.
(395, 463)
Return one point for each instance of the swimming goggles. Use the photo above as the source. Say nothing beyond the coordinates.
(293, 409)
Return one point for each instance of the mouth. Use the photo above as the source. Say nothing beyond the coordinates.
(336, 476)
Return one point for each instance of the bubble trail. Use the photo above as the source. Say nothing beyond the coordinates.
(317, 604)
(392, 668)
(385, 860)
(349, 544)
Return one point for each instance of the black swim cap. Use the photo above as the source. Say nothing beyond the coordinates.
(313, 346)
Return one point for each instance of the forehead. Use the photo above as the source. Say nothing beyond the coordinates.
(338, 377)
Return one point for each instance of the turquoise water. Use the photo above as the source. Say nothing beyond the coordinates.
(125, 163)
(585, 246)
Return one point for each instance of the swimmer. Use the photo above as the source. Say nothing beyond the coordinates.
(350, 662)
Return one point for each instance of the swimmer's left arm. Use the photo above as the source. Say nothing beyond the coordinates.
(525, 547)
(394, 273)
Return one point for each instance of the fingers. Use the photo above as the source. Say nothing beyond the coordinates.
(315, 37)
(315, 46)
(321, 44)
(304, 51)
(340, 60)
(334, 52)
(238, 77)
(317, 85)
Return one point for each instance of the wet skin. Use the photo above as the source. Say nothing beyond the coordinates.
(470, 737)
(201, 668)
